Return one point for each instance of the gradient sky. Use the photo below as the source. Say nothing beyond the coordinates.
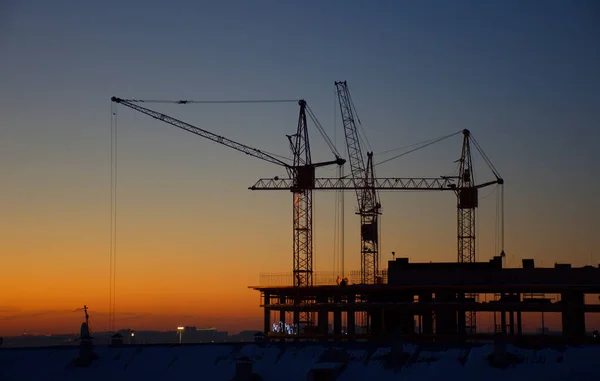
(521, 75)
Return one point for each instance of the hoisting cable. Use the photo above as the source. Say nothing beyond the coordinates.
(276, 155)
(335, 234)
(403, 147)
(502, 253)
(160, 116)
(500, 207)
(112, 178)
(361, 133)
(183, 102)
(497, 223)
(114, 289)
(485, 157)
(336, 229)
(418, 148)
(499, 247)
(113, 214)
(322, 131)
(342, 229)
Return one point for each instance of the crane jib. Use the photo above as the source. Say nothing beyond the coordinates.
(203, 133)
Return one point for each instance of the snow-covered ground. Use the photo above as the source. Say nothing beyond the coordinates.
(293, 362)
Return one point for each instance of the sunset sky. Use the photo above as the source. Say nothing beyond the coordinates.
(521, 75)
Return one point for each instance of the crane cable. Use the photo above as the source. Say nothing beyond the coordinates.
(322, 132)
(336, 217)
(362, 136)
(183, 102)
(419, 147)
(310, 112)
(113, 213)
(338, 234)
(403, 147)
(484, 156)
(499, 200)
(499, 228)
(110, 245)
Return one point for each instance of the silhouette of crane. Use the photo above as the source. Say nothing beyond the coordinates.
(302, 181)
(301, 172)
(366, 194)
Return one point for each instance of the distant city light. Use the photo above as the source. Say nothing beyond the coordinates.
(180, 328)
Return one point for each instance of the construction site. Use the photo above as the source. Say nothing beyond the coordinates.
(421, 301)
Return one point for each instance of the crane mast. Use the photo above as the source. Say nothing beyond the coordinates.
(302, 214)
(369, 233)
(362, 176)
(302, 202)
(467, 202)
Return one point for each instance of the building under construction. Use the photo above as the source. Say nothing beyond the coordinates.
(432, 301)
(429, 300)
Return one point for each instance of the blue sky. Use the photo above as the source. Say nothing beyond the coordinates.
(521, 75)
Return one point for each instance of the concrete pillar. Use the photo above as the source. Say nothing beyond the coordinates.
(573, 315)
(519, 320)
(351, 317)
(461, 316)
(323, 317)
(503, 314)
(426, 316)
(267, 322)
(337, 317)
(512, 322)
(282, 312)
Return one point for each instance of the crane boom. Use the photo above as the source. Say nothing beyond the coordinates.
(203, 133)
(355, 156)
(384, 183)
(369, 207)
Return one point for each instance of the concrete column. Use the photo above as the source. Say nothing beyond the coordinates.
(461, 316)
(267, 323)
(573, 315)
(323, 317)
(351, 316)
(503, 314)
(426, 316)
(337, 317)
(282, 312)
(512, 322)
(519, 321)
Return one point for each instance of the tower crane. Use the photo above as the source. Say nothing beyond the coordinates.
(301, 181)
(362, 179)
(463, 185)
(369, 206)
(301, 172)
(467, 202)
